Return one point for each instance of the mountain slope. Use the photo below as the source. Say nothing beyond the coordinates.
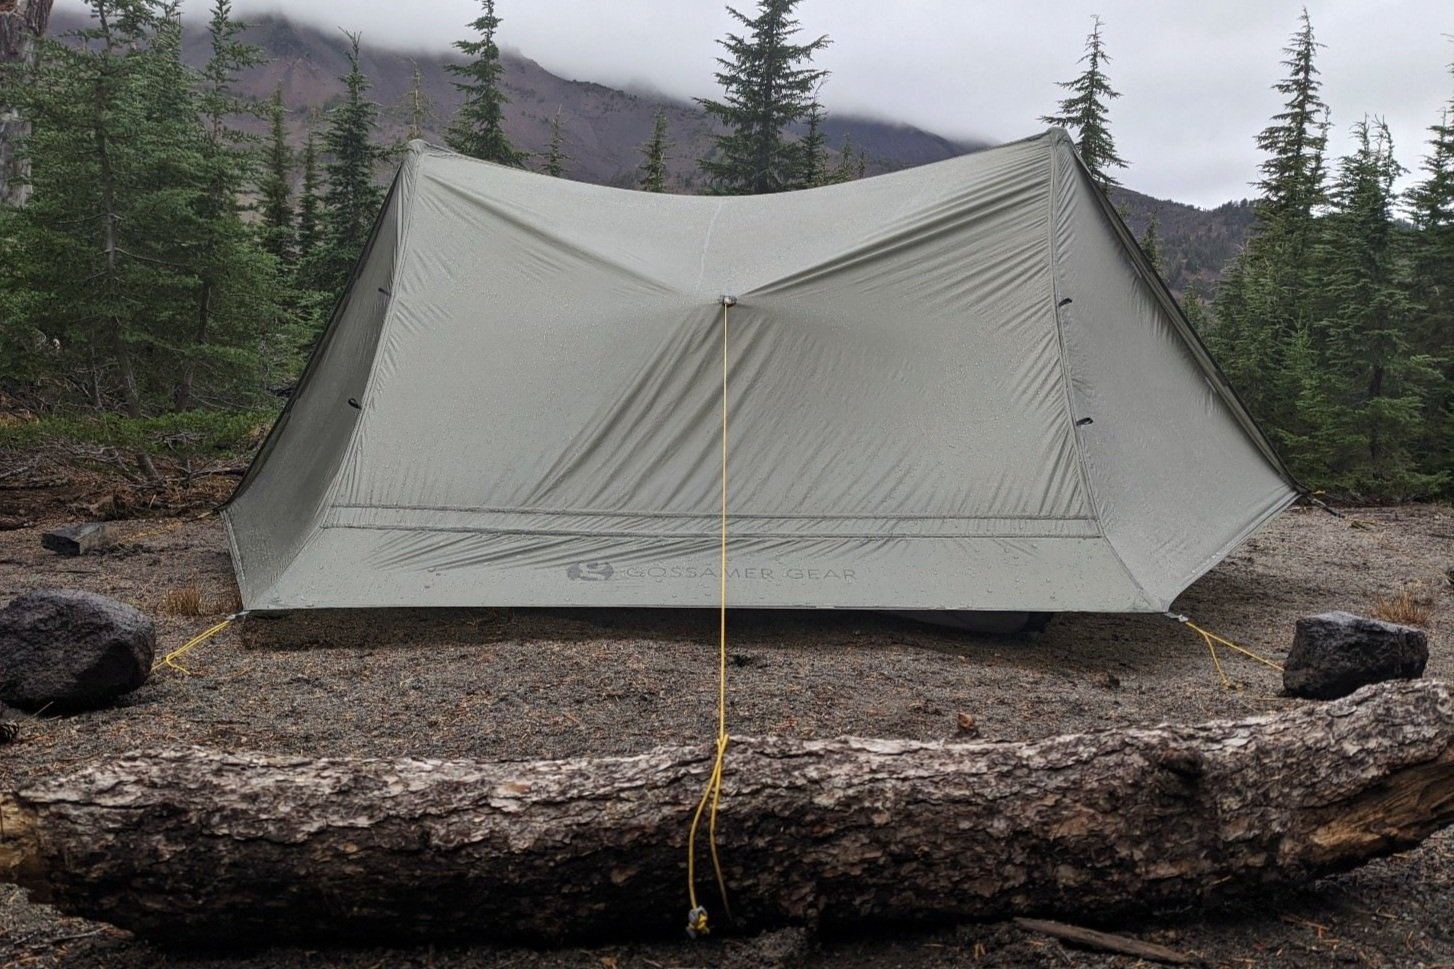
(603, 128)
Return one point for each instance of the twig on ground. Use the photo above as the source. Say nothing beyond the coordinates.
(1106, 941)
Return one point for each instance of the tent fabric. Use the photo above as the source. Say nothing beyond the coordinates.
(953, 387)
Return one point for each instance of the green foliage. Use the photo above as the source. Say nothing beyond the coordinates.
(1264, 306)
(135, 283)
(1374, 379)
(310, 204)
(1293, 171)
(1085, 112)
(765, 91)
(1151, 246)
(352, 198)
(275, 191)
(653, 167)
(555, 157)
(815, 149)
(417, 106)
(184, 434)
(478, 129)
(1323, 322)
(1431, 205)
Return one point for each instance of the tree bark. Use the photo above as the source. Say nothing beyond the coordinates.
(21, 23)
(209, 848)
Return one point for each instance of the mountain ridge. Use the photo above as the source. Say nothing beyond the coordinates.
(603, 128)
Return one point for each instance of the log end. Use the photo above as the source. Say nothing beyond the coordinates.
(1397, 814)
(20, 849)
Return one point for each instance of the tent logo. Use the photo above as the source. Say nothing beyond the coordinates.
(590, 571)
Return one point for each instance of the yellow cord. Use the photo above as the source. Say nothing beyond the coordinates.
(171, 658)
(1212, 640)
(697, 917)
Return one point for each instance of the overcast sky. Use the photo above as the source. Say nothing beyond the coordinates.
(1195, 76)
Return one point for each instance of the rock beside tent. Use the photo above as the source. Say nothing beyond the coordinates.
(65, 650)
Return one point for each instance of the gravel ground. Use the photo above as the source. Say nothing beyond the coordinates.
(509, 684)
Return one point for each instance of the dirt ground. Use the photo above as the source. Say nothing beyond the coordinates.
(510, 684)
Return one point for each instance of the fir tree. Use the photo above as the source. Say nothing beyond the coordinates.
(235, 280)
(555, 157)
(352, 199)
(1291, 186)
(478, 129)
(1151, 245)
(131, 219)
(653, 167)
(1194, 304)
(1085, 113)
(852, 163)
(417, 106)
(1431, 207)
(1265, 303)
(100, 287)
(815, 149)
(1374, 384)
(310, 202)
(275, 210)
(766, 89)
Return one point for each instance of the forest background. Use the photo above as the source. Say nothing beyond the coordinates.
(177, 220)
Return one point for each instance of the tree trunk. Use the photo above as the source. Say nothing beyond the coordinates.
(21, 23)
(201, 847)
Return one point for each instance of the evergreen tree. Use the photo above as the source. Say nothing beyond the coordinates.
(478, 129)
(417, 107)
(19, 31)
(1265, 303)
(1374, 383)
(275, 211)
(653, 168)
(310, 203)
(1085, 112)
(352, 200)
(236, 281)
(815, 149)
(129, 222)
(1195, 306)
(852, 163)
(101, 290)
(555, 157)
(766, 89)
(1292, 174)
(1151, 245)
(1431, 207)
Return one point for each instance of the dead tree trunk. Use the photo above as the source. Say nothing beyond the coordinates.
(21, 23)
(206, 848)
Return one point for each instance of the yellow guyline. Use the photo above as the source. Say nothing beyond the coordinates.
(697, 917)
(1212, 639)
(171, 658)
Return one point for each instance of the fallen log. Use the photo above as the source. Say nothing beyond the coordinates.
(202, 847)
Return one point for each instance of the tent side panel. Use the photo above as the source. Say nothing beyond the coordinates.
(407, 567)
(278, 505)
(1178, 472)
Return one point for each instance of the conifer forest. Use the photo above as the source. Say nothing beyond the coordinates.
(165, 269)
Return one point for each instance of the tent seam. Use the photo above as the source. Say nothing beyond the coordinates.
(1054, 141)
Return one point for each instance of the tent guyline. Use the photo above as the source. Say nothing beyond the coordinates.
(697, 921)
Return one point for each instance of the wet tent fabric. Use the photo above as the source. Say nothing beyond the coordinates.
(953, 387)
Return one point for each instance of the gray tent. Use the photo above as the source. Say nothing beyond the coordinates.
(954, 387)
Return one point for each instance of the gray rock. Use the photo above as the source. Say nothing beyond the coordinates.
(65, 650)
(1334, 653)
